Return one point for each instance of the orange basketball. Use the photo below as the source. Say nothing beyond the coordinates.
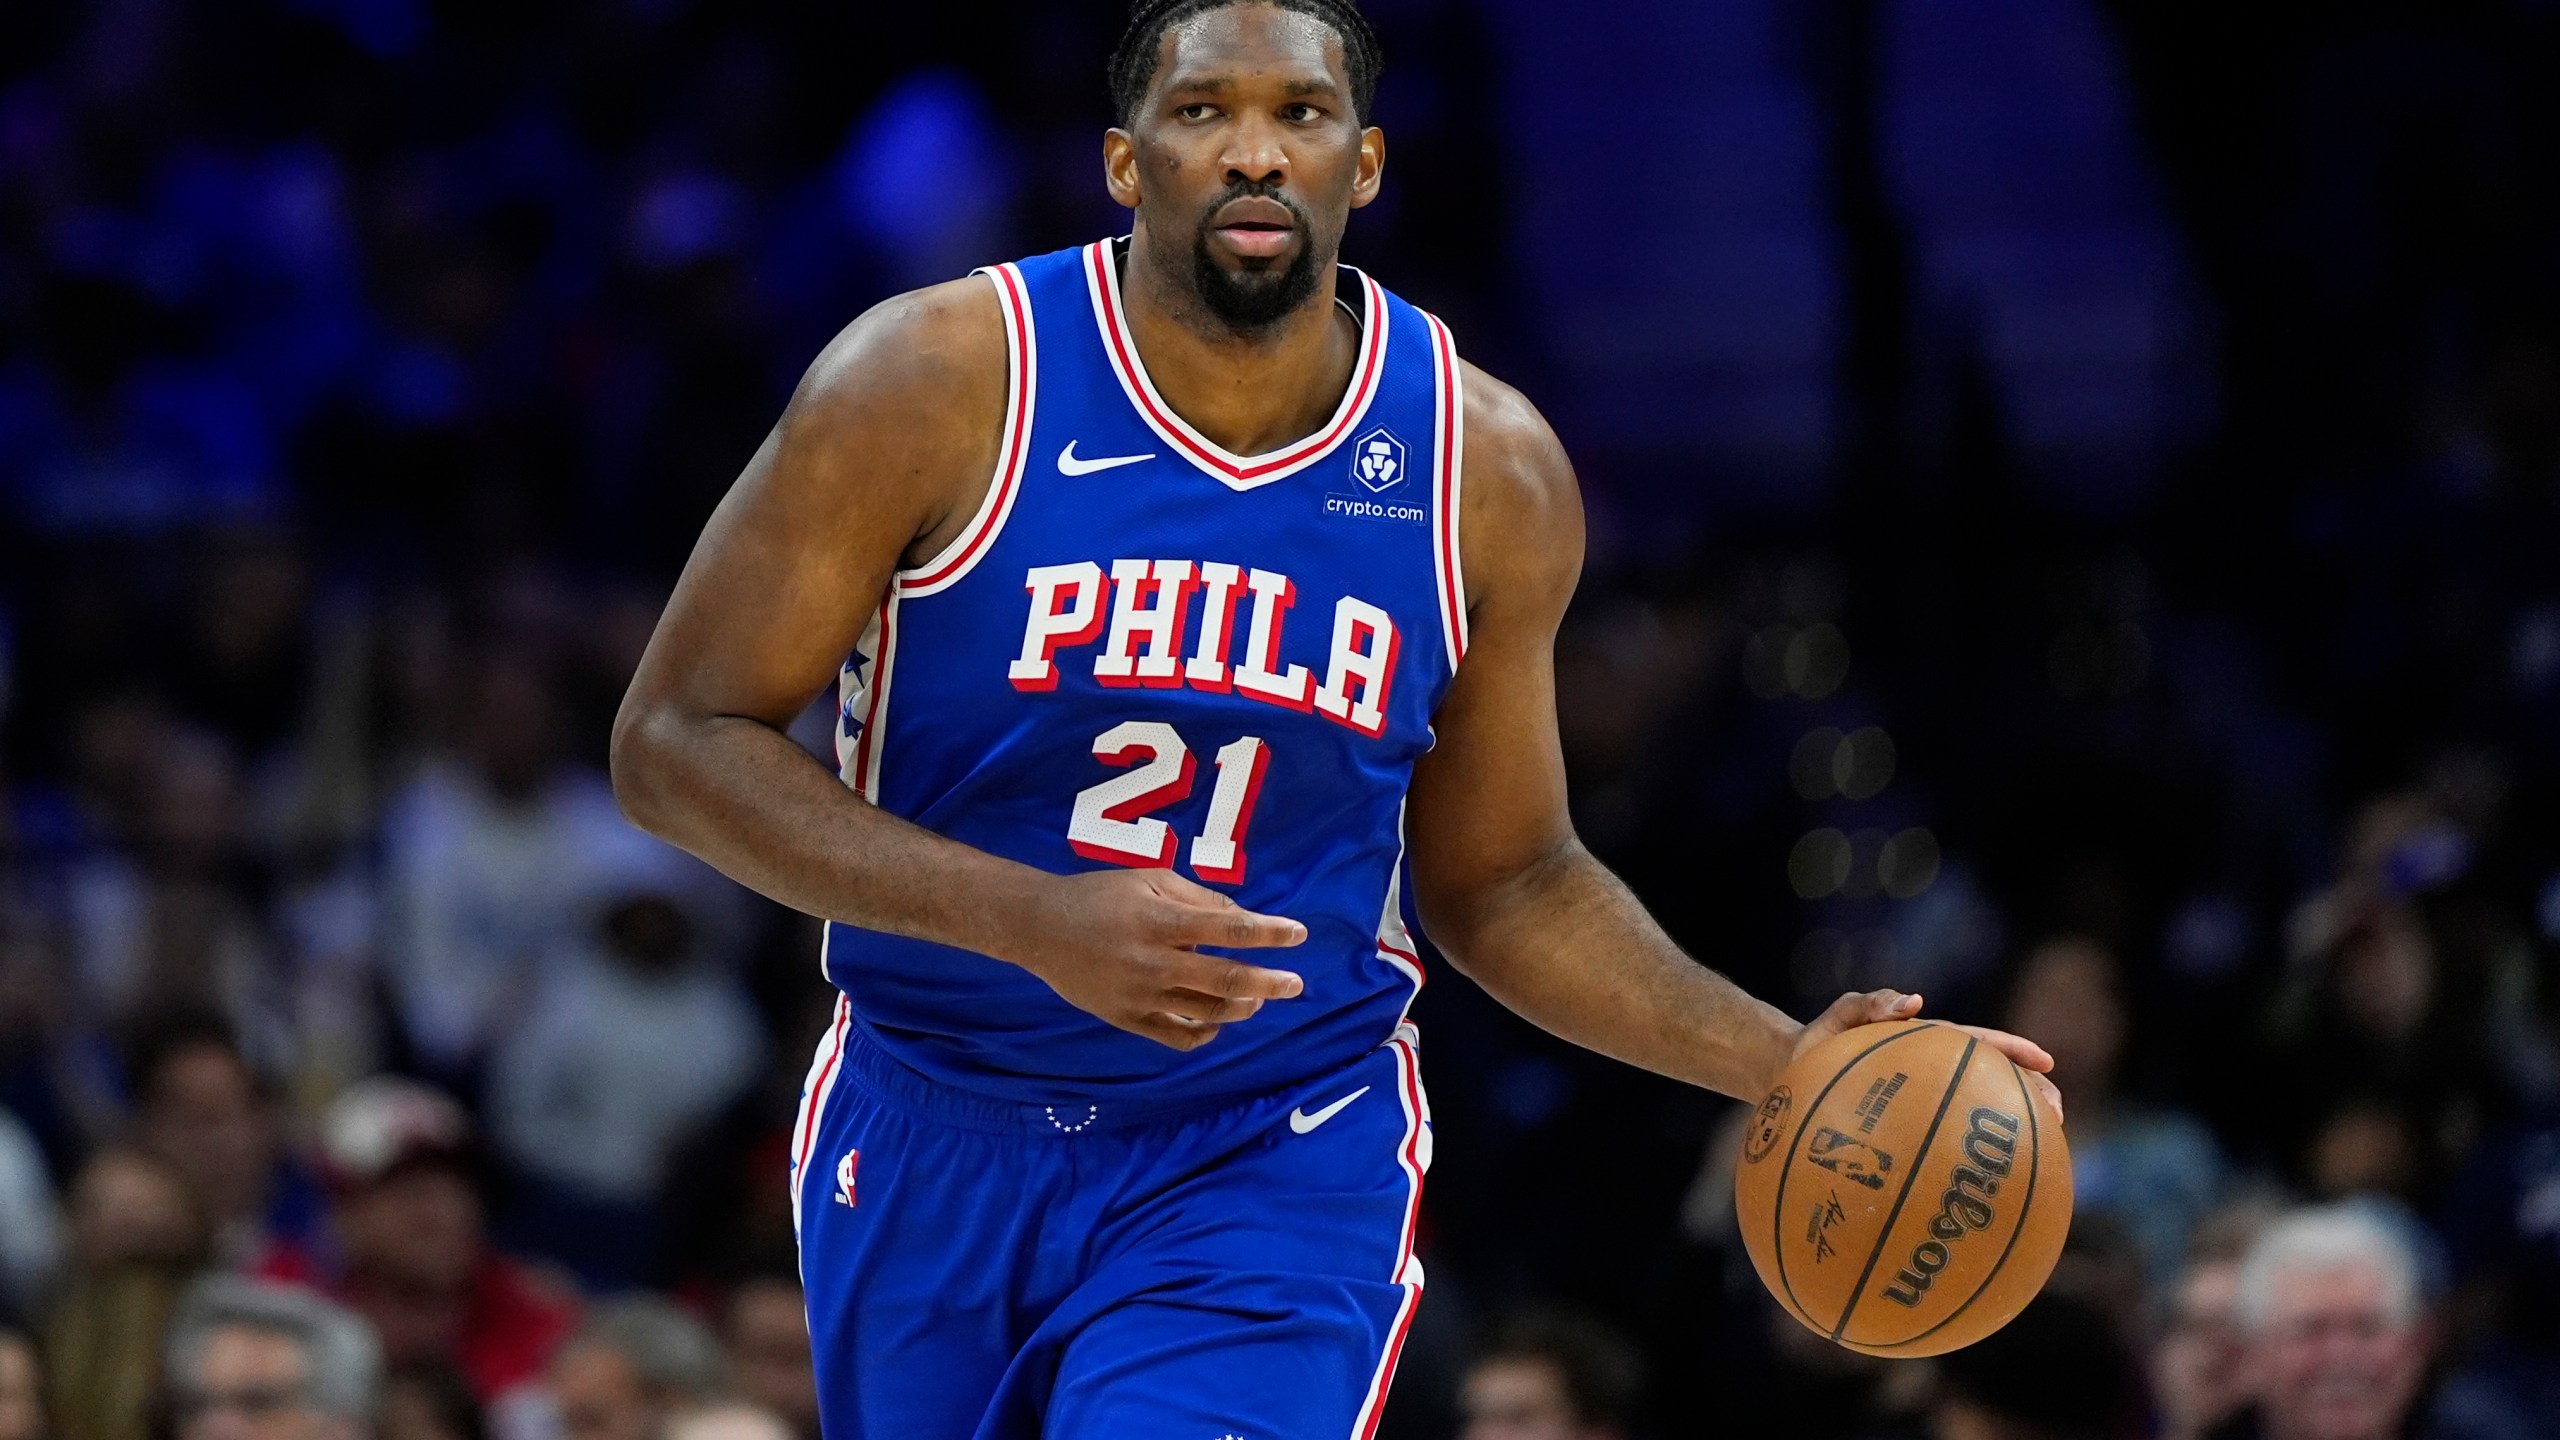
(1901, 1192)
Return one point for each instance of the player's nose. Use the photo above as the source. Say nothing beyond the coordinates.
(1257, 171)
(1256, 156)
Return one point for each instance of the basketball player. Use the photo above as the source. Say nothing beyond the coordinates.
(1191, 605)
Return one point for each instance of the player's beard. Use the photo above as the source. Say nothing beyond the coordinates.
(1251, 301)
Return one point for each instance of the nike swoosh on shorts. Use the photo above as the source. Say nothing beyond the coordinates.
(1302, 1122)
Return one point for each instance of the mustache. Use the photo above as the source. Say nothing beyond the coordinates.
(1256, 190)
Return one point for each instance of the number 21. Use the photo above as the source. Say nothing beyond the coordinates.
(1113, 820)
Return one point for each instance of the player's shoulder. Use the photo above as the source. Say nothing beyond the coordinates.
(904, 408)
(935, 355)
(1504, 427)
(1520, 496)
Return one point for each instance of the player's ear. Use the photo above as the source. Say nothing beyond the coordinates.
(1120, 166)
(1373, 167)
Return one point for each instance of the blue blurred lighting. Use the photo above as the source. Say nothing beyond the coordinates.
(923, 176)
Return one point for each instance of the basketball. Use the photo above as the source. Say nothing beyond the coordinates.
(1899, 1190)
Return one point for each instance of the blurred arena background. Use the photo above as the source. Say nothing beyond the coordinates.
(2076, 492)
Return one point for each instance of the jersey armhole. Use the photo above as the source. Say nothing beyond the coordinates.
(1449, 474)
(1022, 385)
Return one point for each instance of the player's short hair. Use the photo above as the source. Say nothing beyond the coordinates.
(2328, 1237)
(1133, 62)
(1603, 1378)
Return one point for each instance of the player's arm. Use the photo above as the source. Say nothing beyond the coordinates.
(1505, 889)
(881, 458)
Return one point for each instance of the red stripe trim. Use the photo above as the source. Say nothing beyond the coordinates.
(1410, 1077)
(1124, 357)
(1421, 976)
(879, 690)
(1395, 1353)
(818, 1098)
(1387, 1373)
(1009, 473)
(1445, 484)
(1409, 1081)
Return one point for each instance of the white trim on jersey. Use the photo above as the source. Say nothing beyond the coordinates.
(1236, 472)
(1413, 1156)
(862, 699)
(1395, 942)
(824, 1066)
(1022, 394)
(1445, 489)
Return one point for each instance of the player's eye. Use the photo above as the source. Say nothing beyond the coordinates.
(1302, 114)
(1196, 112)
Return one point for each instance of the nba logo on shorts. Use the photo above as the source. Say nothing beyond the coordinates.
(1377, 460)
(845, 1167)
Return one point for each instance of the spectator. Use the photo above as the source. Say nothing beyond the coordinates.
(638, 1035)
(728, 1421)
(21, 1388)
(2378, 1019)
(2366, 1145)
(412, 1254)
(2154, 1172)
(2196, 1370)
(323, 323)
(429, 1402)
(249, 1360)
(2057, 1372)
(131, 1205)
(170, 917)
(637, 1364)
(2505, 1231)
(136, 1241)
(2335, 1334)
(1551, 1377)
(484, 854)
(204, 1110)
(29, 1244)
(767, 1339)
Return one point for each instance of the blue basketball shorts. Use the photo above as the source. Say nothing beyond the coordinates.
(980, 1269)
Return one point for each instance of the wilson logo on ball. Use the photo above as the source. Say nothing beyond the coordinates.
(1991, 1143)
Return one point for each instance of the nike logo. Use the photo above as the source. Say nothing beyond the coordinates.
(1068, 464)
(1302, 1122)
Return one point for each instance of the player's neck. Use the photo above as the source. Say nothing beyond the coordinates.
(1250, 393)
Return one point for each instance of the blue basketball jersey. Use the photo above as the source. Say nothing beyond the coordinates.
(1147, 651)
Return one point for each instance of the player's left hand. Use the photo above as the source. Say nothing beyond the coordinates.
(1872, 1007)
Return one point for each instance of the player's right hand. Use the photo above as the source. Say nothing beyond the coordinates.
(1123, 946)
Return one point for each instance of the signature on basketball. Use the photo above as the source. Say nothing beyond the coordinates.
(1826, 1213)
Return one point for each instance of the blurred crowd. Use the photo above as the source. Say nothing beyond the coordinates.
(366, 367)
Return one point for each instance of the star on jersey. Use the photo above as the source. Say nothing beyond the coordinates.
(848, 724)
